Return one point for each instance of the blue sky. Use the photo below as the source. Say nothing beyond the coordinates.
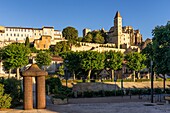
(93, 14)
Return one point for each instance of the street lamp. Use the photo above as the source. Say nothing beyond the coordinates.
(151, 81)
(66, 74)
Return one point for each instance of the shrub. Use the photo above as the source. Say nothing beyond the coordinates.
(12, 86)
(53, 83)
(5, 99)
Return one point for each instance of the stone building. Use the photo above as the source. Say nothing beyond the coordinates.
(85, 31)
(43, 43)
(19, 34)
(123, 35)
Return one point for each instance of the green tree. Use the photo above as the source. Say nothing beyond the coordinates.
(149, 53)
(98, 38)
(72, 61)
(161, 49)
(60, 47)
(113, 61)
(15, 56)
(91, 60)
(135, 61)
(70, 33)
(61, 70)
(95, 37)
(5, 99)
(43, 59)
(27, 42)
(88, 38)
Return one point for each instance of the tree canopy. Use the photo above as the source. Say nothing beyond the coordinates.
(72, 61)
(60, 47)
(27, 42)
(92, 60)
(43, 58)
(113, 61)
(161, 48)
(95, 37)
(15, 56)
(70, 33)
(135, 61)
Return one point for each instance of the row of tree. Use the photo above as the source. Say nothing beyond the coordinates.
(93, 60)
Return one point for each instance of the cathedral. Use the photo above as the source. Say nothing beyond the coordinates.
(125, 36)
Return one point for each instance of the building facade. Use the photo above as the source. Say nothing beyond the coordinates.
(19, 34)
(122, 36)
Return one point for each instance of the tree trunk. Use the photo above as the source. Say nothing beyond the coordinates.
(89, 73)
(18, 76)
(113, 74)
(138, 75)
(164, 83)
(74, 76)
(134, 76)
(9, 75)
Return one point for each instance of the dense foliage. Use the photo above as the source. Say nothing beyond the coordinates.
(60, 47)
(43, 58)
(15, 56)
(136, 62)
(70, 33)
(95, 37)
(5, 99)
(113, 61)
(12, 86)
(91, 60)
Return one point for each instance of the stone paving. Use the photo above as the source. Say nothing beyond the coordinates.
(137, 106)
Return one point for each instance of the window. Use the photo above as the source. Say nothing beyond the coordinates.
(11, 34)
(35, 33)
(7, 34)
(44, 45)
(21, 35)
(6, 29)
(8, 39)
(16, 39)
(14, 35)
(17, 34)
(21, 30)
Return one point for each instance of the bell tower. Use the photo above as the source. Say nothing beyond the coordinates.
(118, 28)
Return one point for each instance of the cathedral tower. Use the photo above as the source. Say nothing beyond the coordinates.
(118, 28)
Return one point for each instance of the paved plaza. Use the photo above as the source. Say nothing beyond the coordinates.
(120, 105)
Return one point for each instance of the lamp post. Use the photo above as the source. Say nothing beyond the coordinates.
(66, 74)
(151, 81)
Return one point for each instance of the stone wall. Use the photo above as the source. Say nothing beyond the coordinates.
(81, 87)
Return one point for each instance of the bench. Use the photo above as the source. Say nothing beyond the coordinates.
(167, 99)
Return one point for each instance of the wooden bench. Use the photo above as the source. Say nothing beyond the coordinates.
(167, 99)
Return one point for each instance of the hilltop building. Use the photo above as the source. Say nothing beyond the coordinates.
(123, 36)
(85, 31)
(19, 34)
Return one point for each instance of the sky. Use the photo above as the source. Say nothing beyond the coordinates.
(144, 15)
